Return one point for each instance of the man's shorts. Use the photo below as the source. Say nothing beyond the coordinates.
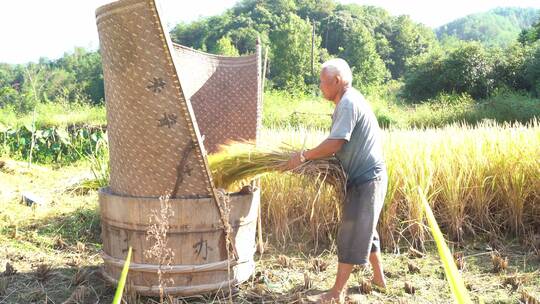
(357, 235)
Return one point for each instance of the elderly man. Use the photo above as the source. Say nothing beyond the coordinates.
(355, 140)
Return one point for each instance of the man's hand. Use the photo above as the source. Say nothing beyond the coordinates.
(293, 162)
(325, 149)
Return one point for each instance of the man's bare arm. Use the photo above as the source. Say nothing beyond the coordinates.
(325, 149)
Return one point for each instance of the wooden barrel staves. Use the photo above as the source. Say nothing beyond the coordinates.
(156, 148)
(195, 237)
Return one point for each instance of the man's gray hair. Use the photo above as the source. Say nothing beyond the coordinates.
(338, 66)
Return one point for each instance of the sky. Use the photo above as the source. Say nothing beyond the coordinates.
(30, 29)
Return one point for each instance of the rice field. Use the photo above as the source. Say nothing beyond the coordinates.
(481, 181)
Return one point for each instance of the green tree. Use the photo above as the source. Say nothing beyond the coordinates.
(424, 76)
(291, 53)
(193, 34)
(497, 27)
(6, 75)
(83, 71)
(225, 47)
(407, 40)
(532, 70)
(315, 9)
(244, 39)
(468, 69)
(9, 97)
(334, 29)
(360, 52)
(397, 39)
(510, 66)
(530, 35)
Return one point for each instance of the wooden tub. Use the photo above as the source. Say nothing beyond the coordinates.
(200, 263)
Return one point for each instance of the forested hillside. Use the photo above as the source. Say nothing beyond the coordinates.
(300, 35)
(497, 27)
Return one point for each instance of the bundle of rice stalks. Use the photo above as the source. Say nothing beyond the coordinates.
(80, 277)
(239, 162)
(414, 254)
(319, 265)
(308, 282)
(413, 268)
(409, 288)
(10, 270)
(43, 272)
(513, 281)
(365, 286)
(500, 263)
(284, 261)
(78, 296)
(459, 259)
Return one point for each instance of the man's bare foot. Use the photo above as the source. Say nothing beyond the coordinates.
(329, 297)
(379, 284)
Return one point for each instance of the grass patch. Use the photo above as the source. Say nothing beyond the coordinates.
(282, 110)
(64, 132)
(53, 114)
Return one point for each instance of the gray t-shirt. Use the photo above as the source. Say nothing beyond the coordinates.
(362, 155)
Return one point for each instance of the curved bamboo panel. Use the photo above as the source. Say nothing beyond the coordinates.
(224, 92)
(155, 135)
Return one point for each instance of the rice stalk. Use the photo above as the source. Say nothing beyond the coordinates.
(452, 273)
(389, 221)
(324, 180)
(454, 181)
(160, 252)
(122, 280)
(417, 169)
(4, 284)
(240, 162)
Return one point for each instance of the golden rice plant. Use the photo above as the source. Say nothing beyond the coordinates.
(483, 187)
(483, 178)
(412, 168)
(388, 223)
(294, 207)
(455, 191)
(518, 188)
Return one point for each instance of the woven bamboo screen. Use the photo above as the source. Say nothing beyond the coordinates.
(224, 93)
(163, 99)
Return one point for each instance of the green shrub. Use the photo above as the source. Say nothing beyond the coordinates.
(466, 69)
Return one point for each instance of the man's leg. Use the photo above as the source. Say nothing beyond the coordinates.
(376, 261)
(361, 210)
(337, 293)
(378, 273)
